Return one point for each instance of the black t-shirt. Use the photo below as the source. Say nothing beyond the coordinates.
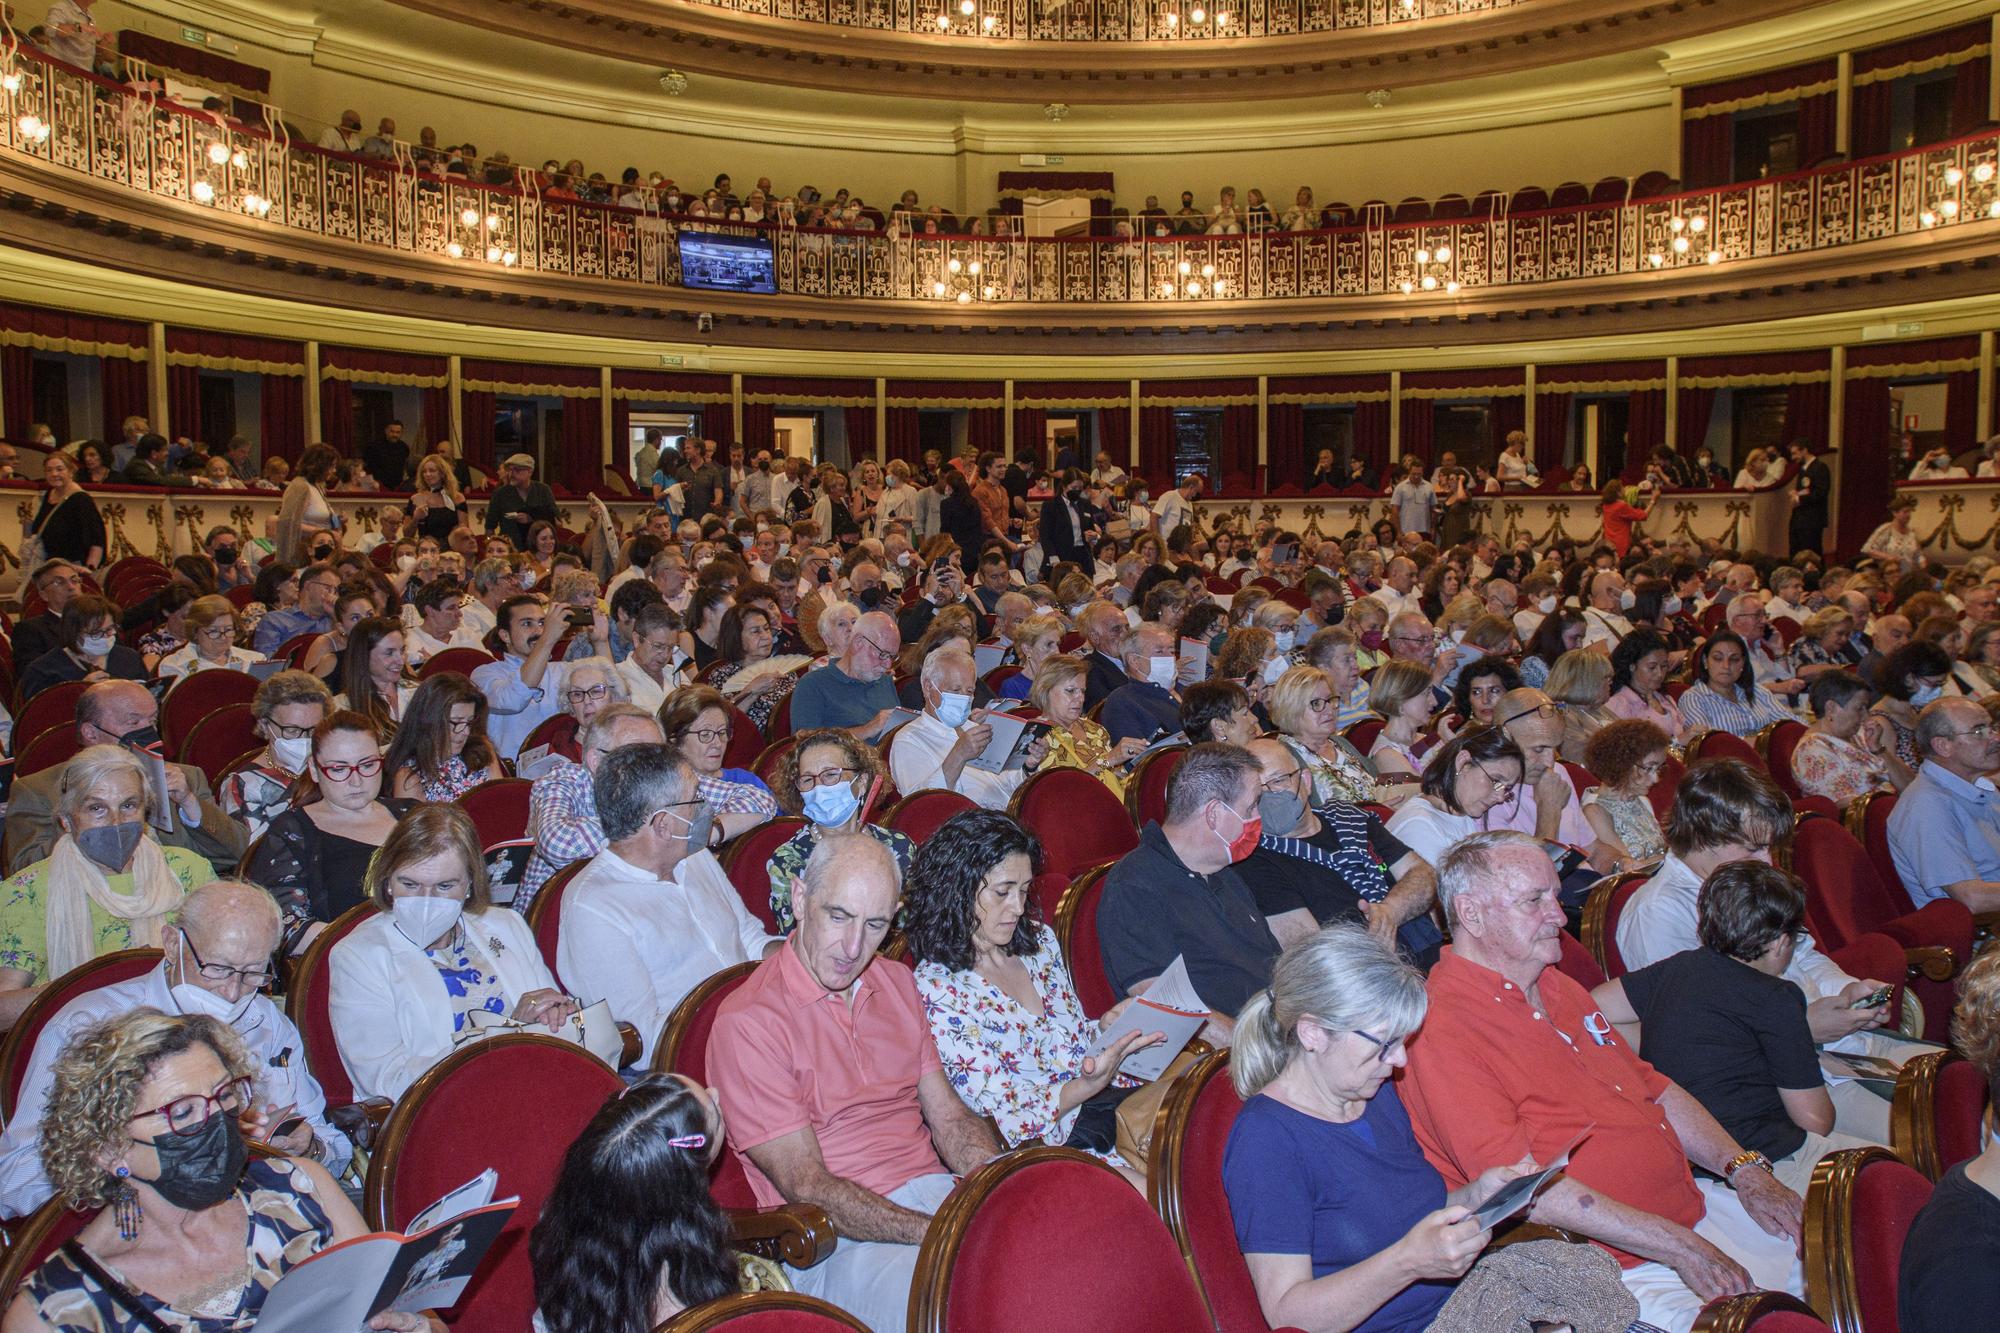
(1951, 1259)
(1732, 1037)
(1283, 883)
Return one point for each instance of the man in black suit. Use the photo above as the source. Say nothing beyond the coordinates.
(57, 581)
(388, 458)
(1812, 489)
(1065, 524)
(1104, 626)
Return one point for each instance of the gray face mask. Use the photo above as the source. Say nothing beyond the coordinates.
(110, 845)
(1281, 811)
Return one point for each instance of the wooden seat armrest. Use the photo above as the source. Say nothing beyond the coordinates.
(1527, 1231)
(797, 1234)
(633, 1044)
(1930, 962)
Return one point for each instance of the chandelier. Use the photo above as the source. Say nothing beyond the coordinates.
(1432, 273)
(1960, 203)
(962, 282)
(1194, 283)
(478, 237)
(1691, 242)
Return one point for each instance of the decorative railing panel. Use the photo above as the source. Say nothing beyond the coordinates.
(63, 118)
(1111, 20)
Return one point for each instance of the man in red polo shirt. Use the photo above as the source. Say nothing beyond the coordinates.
(1514, 1061)
(832, 1087)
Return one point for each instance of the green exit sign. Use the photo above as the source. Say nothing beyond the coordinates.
(195, 35)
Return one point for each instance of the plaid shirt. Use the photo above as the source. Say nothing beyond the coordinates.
(562, 819)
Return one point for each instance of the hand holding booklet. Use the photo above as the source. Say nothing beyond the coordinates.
(590, 1027)
(1518, 1193)
(1170, 1006)
(1012, 737)
(346, 1285)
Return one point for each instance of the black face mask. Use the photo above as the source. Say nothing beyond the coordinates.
(868, 598)
(199, 1170)
(225, 556)
(144, 738)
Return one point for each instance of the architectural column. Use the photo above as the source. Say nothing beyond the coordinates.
(1528, 411)
(1993, 72)
(1132, 416)
(736, 407)
(156, 382)
(1843, 102)
(1007, 417)
(881, 420)
(606, 441)
(1264, 431)
(1836, 431)
(454, 374)
(1672, 429)
(1680, 135)
(1983, 417)
(1395, 417)
(313, 431)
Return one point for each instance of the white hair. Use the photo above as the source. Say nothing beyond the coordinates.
(1472, 863)
(934, 664)
(833, 609)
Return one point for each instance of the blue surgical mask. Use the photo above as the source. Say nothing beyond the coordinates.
(831, 806)
(953, 709)
(1672, 606)
(1286, 638)
(1926, 694)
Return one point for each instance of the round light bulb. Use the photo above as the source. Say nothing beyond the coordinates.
(1677, 223)
(1222, 18)
(1927, 218)
(1166, 289)
(974, 268)
(967, 7)
(1220, 286)
(218, 153)
(1407, 286)
(1429, 283)
(1423, 256)
(1983, 172)
(1993, 209)
(1451, 286)
(492, 221)
(1197, 14)
(508, 257)
(990, 292)
(944, 21)
(1697, 224)
(1444, 254)
(1949, 208)
(470, 217)
(1714, 257)
(1952, 175)
(204, 192)
(1194, 289)
(965, 298)
(988, 22)
(454, 249)
(937, 289)
(1173, 20)
(952, 265)
(1185, 268)
(1680, 245)
(1656, 259)
(492, 254)
(11, 83)
(1208, 270)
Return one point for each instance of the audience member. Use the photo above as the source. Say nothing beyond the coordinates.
(698, 724)
(563, 822)
(1944, 834)
(288, 706)
(828, 778)
(86, 649)
(1846, 752)
(854, 690)
(441, 752)
(937, 747)
(525, 687)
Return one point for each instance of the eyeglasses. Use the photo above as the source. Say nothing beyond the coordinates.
(1548, 712)
(1382, 1048)
(186, 1115)
(461, 723)
(710, 735)
(329, 585)
(290, 733)
(339, 772)
(218, 633)
(1501, 787)
(1982, 730)
(1283, 781)
(1321, 704)
(863, 638)
(260, 979)
(826, 777)
(593, 692)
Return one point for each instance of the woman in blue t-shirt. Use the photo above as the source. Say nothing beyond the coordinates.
(1342, 1220)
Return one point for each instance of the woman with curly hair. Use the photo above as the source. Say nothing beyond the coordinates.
(441, 751)
(190, 1231)
(826, 778)
(630, 1236)
(1013, 1038)
(1627, 756)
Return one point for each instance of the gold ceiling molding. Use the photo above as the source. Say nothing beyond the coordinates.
(327, 372)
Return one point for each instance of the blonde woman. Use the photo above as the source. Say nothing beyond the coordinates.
(1757, 472)
(1076, 741)
(1334, 652)
(1580, 682)
(212, 630)
(107, 883)
(1035, 642)
(1368, 619)
(1303, 707)
(1400, 695)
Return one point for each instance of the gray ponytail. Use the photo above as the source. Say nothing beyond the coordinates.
(1341, 977)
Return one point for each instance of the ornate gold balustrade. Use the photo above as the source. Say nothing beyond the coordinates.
(60, 118)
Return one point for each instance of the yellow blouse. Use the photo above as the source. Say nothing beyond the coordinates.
(1092, 754)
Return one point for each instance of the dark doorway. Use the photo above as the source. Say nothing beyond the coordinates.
(1614, 415)
(934, 431)
(516, 430)
(218, 410)
(1326, 428)
(1766, 142)
(1462, 430)
(51, 383)
(1075, 429)
(1756, 421)
(373, 410)
(1198, 442)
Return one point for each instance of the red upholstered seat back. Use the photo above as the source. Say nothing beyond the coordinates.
(558, 732)
(306, 1005)
(1600, 919)
(1874, 820)
(1958, 1107)
(1789, 1321)
(765, 1312)
(54, 747)
(464, 661)
(1779, 740)
(195, 697)
(103, 970)
(1076, 929)
(1097, 1252)
(544, 915)
(780, 724)
(222, 737)
(745, 741)
(1661, 793)
(1206, 1107)
(1362, 734)
(37, 1237)
(1146, 789)
(683, 1049)
(747, 862)
(53, 707)
(1845, 898)
(498, 809)
(772, 759)
(1887, 1197)
(431, 1145)
(1077, 818)
(1722, 745)
(921, 814)
(1047, 890)
(1577, 964)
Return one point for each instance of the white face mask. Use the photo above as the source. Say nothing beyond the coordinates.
(1546, 605)
(405, 563)
(1286, 638)
(1275, 668)
(1627, 599)
(953, 709)
(95, 645)
(1160, 671)
(527, 579)
(192, 999)
(423, 919)
(293, 754)
(1672, 606)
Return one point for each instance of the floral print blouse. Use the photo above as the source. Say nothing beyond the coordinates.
(468, 985)
(454, 780)
(287, 1227)
(1825, 765)
(1002, 1060)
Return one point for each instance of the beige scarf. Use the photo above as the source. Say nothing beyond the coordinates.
(76, 881)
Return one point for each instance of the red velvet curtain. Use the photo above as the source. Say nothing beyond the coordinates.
(621, 441)
(985, 429)
(860, 423)
(1691, 423)
(1031, 428)
(757, 427)
(282, 415)
(906, 434)
(1239, 447)
(1708, 150)
(1867, 474)
(478, 407)
(336, 415)
(1816, 128)
(1645, 427)
(1285, 446)
(1806, 414)
(17, 390)
(581, 466)
(1961, 407)
(1419, 418)
(183, 402)
(126, 391)
(1969, 95)
(1873, 106)
(1156, 447)
(437, 414)
(1371, 434)
(1551, 430)
(1504, 413)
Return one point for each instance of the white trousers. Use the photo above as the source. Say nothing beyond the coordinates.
(1772, 1262)
(870, 1279)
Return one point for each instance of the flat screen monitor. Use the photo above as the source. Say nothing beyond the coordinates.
(719, 263)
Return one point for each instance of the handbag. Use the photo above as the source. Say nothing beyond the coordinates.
(1095, 1128)
(1141, 1108)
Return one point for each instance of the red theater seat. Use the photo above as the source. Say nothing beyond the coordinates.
(1077, 818)
(1076, 931)
(1600, 918)
(1184, 1182)
(104, 970)
(1940, 1104)
(1858, 1210)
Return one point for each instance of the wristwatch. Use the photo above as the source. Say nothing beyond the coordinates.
(1748, 1157)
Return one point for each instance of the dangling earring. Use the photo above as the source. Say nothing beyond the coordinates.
(125, 1211)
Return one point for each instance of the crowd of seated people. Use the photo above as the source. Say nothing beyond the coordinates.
(1372, 828)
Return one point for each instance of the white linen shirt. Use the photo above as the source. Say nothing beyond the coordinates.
(274, 1044)
(916, 762)
(642, 943)
(513, 707)
(1660, 920)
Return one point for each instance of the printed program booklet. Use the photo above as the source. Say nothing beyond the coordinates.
(1009, 747)
(1171, 1006)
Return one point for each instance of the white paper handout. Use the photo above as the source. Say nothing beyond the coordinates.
(986, 656)
(1009, 747)
(591, 1027)
(535, 761)
(1193, 663)
(156, 779)
(753, 672)
(1518, 1193)
(1171, 1006)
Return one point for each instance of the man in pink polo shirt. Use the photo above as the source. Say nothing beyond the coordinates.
(832, 1087)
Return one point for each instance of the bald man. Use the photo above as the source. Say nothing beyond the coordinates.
(856, 692)
(217, 962)
(123, 712)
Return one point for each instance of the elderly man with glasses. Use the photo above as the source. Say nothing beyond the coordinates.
(217, 963)
(562, 805)
(1545, 805)
(318, 585)
(857, 691)
(1749, 618)
(1944, 833)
